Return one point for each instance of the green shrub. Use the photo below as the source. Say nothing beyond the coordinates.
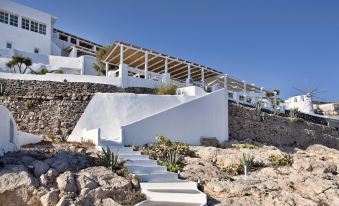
(166, 89)
(163, 147)
(63, 138)
(2, 90)
(111, 160)
(243, 146)
(172, 162)
(246, 160)
(281, 160)
(29, 104)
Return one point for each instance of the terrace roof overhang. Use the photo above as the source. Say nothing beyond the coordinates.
(178, 69)
(137, 57)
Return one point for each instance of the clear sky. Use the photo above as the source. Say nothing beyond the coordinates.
(274, 44)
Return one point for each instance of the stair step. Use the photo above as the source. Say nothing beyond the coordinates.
(168, 195)
(133, 157)
(115, 149)
(147, 177)
(146, 169)
(162, 203)
(182, 184)
(141, 163)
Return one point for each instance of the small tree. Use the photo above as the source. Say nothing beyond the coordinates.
(100, 67)
(19, 64)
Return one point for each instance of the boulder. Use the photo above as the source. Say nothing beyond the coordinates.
(50, 199)
(109, 202)
(66, 182)
(40, 168)
(209, 141)
(86, 181)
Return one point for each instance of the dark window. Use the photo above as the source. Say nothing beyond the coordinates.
(34, 26)
(42, 29)
(13, 20)
(25, 24)
(3, 17)
(36, 50)
(9, 45)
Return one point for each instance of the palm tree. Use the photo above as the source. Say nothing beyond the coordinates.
(21, 63)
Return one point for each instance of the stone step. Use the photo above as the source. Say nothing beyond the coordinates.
(120, 149)
(173, 184)
(148, 177)
(162, 203)
(182, 195)
(141, 163)
(133, 157)
(146, 169)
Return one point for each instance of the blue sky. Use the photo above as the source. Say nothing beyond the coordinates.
(275, 44)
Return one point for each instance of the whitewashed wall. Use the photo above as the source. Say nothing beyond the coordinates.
(204, 116)
(303, 103)
(23, 39)
(110, 111)
(19, 138)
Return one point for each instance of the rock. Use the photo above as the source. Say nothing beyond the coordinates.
(52, 173)
(40, 168)
(109, 202)
(17, 185)
(209, 141)
(50, 199)
(64, 201)
(60, 165)
(66, 182)
(83, 181)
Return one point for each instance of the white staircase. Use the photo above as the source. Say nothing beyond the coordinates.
(160, 186)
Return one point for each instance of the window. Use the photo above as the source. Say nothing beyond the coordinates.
(13, 20)
(42, 29)
(34, 26)
(36, 50)
(3, 17)
(9, 45)
(25, 24)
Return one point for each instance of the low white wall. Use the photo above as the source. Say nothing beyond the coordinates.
(110, 111)
(62, 77)
(205, 116)
(18, 138)
(191, 91)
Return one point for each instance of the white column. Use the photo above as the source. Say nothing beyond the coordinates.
(77, 42)
(203, 77)
(107, 69)
(121, 54)
(94, 48)
(188, 80)
(68, 38)
(225, 82)
(245, 89)
(166, 66)
(146, 65)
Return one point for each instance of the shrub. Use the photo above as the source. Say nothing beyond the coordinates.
(63, 138)
(2, 90)
(243, 146)
(281, 160)
(29, 104)
(110, 160)
(172, 162)
(163, 147)
(166, 89)
(294, 113)
(19, 64)
(246, 160)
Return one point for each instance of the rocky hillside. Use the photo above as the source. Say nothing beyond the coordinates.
(62, 174)
(308, 177)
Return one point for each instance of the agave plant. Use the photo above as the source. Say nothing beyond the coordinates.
(110, 160)
(247, 160)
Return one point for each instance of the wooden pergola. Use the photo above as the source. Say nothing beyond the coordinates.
(179, 69)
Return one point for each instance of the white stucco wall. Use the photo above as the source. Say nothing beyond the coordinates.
(110, 111)
(18, 138)
(22, 39)
(303, 103)
(205, 116)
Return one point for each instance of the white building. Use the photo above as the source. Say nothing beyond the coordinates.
(303, 103)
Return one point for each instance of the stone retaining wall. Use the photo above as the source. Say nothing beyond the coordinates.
(245, 123)
(52, 108)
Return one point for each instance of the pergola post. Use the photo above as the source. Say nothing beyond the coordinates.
(203, 77)
(166, 66)
(245, 89)
(166, 77)
(106, 69)
(225, 82)
(188, 80)
(146, 65)
(121, 54)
